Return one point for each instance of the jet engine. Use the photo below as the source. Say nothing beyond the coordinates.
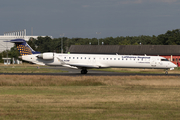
(46, 56)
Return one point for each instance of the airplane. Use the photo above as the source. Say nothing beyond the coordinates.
(89, 61)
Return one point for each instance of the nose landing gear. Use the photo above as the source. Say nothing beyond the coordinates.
(166, 72)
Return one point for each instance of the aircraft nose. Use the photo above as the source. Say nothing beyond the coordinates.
(174, 65)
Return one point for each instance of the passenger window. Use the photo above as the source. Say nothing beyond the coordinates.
(107, 58)
(73, 57)
(110, 58)
(64, 57)
(77, 57)
(81, 57)
(85, 58)
(114, 58)
(118, 58)
(103, 58)
(69, 57)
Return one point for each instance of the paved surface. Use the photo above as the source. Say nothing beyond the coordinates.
(89, 74)
(76, 72)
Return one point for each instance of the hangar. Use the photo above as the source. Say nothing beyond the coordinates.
(21, 34)
(171, 52)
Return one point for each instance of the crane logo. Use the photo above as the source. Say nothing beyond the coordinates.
(24, 50)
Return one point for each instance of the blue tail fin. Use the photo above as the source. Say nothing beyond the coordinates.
(23, 47)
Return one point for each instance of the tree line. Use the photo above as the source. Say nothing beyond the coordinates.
(48, 44)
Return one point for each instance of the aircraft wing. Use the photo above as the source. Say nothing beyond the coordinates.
(78, 65)
(81, 65)
(38, 63)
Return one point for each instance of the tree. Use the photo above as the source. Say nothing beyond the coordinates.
(125, 42)
(31, 43)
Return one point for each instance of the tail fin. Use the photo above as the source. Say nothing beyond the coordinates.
(23, 47)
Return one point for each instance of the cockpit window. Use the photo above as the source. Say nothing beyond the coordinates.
(164, 60)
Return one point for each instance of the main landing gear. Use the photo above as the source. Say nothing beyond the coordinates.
(84, 71)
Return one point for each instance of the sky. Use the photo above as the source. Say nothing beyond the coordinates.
(90, 18)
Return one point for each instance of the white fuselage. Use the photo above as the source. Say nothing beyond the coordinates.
(102, 61)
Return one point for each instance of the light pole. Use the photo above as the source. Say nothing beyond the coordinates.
(61, 35)
(98, 33)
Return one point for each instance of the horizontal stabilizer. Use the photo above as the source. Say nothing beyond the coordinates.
(16, 41)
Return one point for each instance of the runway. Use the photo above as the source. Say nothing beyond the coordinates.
(76, 72)
(89, 74)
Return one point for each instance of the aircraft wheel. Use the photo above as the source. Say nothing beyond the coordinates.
(166, 72)
(84, 71)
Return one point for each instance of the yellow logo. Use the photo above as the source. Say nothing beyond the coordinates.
(24, 50)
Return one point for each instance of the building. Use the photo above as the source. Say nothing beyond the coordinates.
(7, 61)
(171, 52)
(13, 35)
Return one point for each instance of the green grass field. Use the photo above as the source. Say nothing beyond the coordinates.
(89, 98)
(27, 68)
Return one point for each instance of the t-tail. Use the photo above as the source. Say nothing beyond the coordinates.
(23, 47)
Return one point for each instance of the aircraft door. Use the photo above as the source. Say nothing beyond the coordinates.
(167, 65)
(153, 62)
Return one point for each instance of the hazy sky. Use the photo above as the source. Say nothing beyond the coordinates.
(83, 18)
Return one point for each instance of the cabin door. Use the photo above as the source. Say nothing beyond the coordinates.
(153, 62)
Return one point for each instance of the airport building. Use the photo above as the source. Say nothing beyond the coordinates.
(170, 52)
(10, 36)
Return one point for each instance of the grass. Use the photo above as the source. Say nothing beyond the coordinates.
(27, 68)
(134, 70)
(79, 98)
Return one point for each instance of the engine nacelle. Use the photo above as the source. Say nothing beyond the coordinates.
(46, 56)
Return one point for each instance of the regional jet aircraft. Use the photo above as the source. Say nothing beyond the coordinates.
(89, 61)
